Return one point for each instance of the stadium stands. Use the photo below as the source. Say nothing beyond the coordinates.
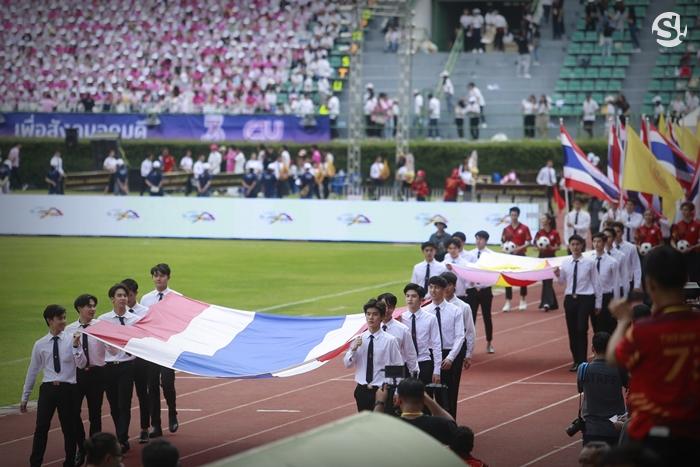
(180, 56)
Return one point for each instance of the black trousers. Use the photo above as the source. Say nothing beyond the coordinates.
(365, 397)
(509, 292)
(548, 295)
(160, 377)
(604, 321)
(52, 397)
(119, 386)
(141, 375)
(15, 179)
(460, 127)
(483, 297)
(425, 371)
(577, 311)
(550, 194)
(452, 377)
(91, 386)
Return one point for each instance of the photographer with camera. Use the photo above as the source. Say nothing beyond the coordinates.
(370, 353)
(601, 386)
(412, 400)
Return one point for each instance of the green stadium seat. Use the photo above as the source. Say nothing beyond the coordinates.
(668, 85)
(663, 59)
(575, 86)
(566, 73)
(570, 97)
(596, 60)
(587, 86)
(601, 85)
(570, 61)
(561, 86)
(587, 48)
(579, 73)
(608, 60)
(605, 73)
(335, 61)
(591, 36)
(619, 73)
(578, 36)
(614, 86)
(599, 97)
(574, 48)
(655, 85)
(622, 60)
(591, 73)
(282, 98)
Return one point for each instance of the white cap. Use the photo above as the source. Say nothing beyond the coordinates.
(307, 166)
(444, 73)
(156, 164)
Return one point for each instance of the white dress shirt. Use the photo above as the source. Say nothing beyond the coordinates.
(469, 328)
(608, 273)
(621, 259)
(186, 164)
(634, 267)
(113, 354)
(153, 297)
(547, 176)
(587, 282)
(581, 221)
(434, 108)
(427, 336)
(631, 221)
(472, 257)
(138, 309)
(385, 351)
(146, 167)
(375, 171)
(96, 349)
(418, 105)
(42, 360)
(419, 270)
(403, 335)
(452, 324)
(461, 287)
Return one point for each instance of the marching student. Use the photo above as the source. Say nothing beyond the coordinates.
(469, 328)
(608, 269)
(57, 354)
(688, 229)
(370, 353)
(455, 256)
(427, 268)
(520, 235)
(577, 221)
(119, 367)
(481, 296)
(400, 332)
(90, 379)
(463, 241)
(581, 298)
(161, 376)
(634, 267)
(451, 328)
(549, 231)
(631, 220)
(425, 334)
(621, 259)
(142, 368)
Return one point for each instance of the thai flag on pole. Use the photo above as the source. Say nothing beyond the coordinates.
(581, 175)
(694, 191)
(615, 157)
(671, 157)
(209, 340)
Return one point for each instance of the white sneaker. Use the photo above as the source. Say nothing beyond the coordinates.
(522, 306)
(489, 348)
(506, 307)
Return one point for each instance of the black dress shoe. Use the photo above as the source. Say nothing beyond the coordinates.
(143, 437)
(156, 433)
(574, 367)
(173, 425)
(79, 458)
(125, 447)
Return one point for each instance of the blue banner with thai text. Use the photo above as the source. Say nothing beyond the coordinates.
(209, 127)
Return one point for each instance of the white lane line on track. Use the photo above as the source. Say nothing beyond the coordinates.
(552, 452)
(278, 411)
(533, 412)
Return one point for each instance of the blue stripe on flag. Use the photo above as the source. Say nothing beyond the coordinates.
(270, 343)
(573, 162)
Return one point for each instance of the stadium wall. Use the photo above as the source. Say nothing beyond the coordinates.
(229, 218)
(436, 158)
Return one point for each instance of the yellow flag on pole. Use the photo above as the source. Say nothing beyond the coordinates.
(643, 173)
(687, 141)
(663, 128)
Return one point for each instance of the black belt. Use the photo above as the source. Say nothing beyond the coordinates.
(57, 383)
(577, 296)
(90, 367)
(119, 363)
(367, 387)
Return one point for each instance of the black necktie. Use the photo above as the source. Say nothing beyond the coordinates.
(618, 246)
(121, 320)
(384, 328)
(427, 276)
(628, 229)
(413, 331)
(437, 314)
(576, 219)
(478, 254)
(160, 296)
(597, 264)
(131, 310)
(573, 287)
(56, 358)
(370, 360)
(85, 346)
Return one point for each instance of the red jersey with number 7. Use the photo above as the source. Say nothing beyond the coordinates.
(662, 354)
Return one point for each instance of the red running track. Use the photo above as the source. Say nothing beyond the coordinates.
(518, 402)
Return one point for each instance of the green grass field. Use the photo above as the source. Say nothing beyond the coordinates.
(247, 275)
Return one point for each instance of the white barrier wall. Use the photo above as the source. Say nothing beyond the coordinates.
(274, 219)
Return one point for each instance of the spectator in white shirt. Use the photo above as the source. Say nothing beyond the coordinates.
(631, 220)
(529, 108)
(333, 112)
(548, 177)
(577, 221)
(474, 91)
(429, 267)
(375, 175)
(501, 26)
(582, 297)
(609, 276)
(57, 163)
(146, 167)
(239, 165)
(425, 334)
(306, 111)
(110, 165)
(186, 164)
(214, 160)
(448, 90)
(590, 110)
(418, 122)
(369, 354)
(399, 331)
(434, 116)
(466, 22)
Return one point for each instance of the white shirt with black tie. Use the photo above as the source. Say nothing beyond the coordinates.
(385, 349)
(461, 287)
(114, 354)
(420, 270)
(408, 352)
(154, 296)
(451, 322)
(546, 176)
(427, 336)
(472, 257)
(608, 270)
(469, 328)
(634, 267)
(632, 221)
(96, 349)
(581, 222)
(621, 259)
(138, 309)
(587, 282)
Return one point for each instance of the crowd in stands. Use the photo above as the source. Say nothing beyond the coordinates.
(174, 57)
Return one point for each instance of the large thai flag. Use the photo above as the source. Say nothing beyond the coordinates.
(671, 157)
(581, 175)
(615, 157)
(694, 191)
(209, 340)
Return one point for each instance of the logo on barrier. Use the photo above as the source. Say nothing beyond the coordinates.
(274, 217)
(667, 29)
(120, 214)
(427, 219)
(263, 130)
(47, 212)
(199, 216)
(497, 219)
(352, 219)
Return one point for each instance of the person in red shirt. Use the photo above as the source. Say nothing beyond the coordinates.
(520, 235)
(462, 444)
(688, 229)
(420, 186)
(662, 354)
(549, 230)
(649, 231)
(168, 161)
(453, 184)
